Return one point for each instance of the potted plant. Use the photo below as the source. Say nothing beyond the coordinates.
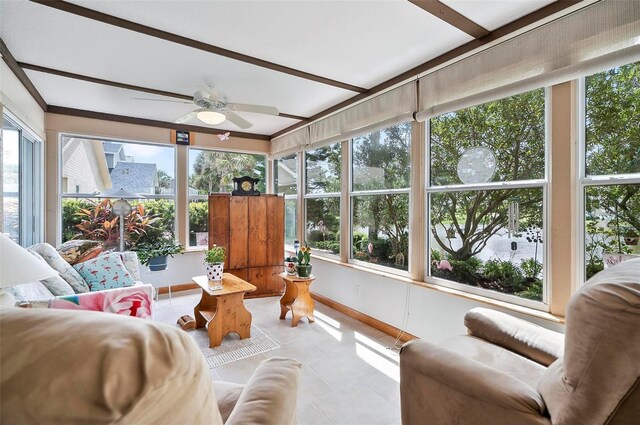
(155, 254)
(304, 262)
(290, 265)
(214, 262)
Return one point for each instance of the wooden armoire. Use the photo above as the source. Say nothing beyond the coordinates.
(251, 229)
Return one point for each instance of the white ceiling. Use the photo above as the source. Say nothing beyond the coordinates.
(362, 43)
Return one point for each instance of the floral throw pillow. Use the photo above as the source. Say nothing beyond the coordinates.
(78, 251)
(67, 272)
(105, 272)
(56, 284)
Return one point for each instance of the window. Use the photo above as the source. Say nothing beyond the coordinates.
(611, 175)
(286, 182)
(322, 199)
(213, 172)
(486, 195)
(92, 167)
(380, 170)
(21, 184)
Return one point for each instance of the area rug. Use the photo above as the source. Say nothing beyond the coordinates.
(232, 348)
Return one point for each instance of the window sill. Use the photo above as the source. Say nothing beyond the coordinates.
(455, 292)
(195, 249)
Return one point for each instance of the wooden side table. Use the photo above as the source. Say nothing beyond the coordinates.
(222, 311)
(297, 298)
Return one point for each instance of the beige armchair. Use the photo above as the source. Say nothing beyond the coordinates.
(509, 371)
(84, 367)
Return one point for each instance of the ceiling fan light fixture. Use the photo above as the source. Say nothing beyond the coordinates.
(211, 117)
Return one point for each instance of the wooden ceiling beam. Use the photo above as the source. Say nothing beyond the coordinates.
(19, 73)
(63, 110)
(185, 41)
(509, 28)
(450, 16)
(89, 79)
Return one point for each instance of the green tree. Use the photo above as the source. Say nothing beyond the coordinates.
(381, 161)
(164, 181)
(323, 176)
(514, 129)
(613, 144)
(214, 171)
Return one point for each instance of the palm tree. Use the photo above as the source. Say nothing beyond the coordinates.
(214, 171)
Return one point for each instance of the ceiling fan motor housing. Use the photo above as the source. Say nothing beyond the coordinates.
(202, 100)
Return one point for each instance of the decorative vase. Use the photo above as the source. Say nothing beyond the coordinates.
(214, 271)
(290, 267)
(157, 264)
(304, 270)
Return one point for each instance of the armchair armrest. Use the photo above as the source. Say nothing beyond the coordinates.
(271, 395)
(525, 338)
(447, 388)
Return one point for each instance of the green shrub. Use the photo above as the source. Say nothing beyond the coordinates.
(332, 246)
(381, 248)
(531, 269)
(533, 290)
(465, 271)
(70, 217)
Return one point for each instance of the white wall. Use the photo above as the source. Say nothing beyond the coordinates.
(181, 269)
(432, 315)
(17, 99)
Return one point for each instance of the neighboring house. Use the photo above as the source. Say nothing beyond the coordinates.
(135, 177)
(77, 177)
(114, 153)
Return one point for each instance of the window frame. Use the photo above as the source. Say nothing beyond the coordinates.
(306, 196)
(61, 196)
(33, 232)
(289, 196)
(352, 194)
(206, 197)
(585, 181)
(543, 184)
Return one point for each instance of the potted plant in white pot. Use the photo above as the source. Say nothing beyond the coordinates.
(214, 262)
(290, 265)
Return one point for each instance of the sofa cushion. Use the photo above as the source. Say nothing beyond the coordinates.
(34, 291)
(67, 272)
(57, 285)
(130, 261)
(78, 251)
(105, 272)
(110, 369)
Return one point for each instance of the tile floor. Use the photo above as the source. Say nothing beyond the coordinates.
(349, 376)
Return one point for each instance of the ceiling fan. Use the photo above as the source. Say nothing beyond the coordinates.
(214, 108)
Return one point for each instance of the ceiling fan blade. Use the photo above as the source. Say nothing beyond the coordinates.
(258, 109)
(187, 102)
(187, 117)
(237, 119)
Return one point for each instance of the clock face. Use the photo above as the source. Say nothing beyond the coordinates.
(246, 186)
(476, 165)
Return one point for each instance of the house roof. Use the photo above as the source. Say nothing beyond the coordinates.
(135, 177)
(111, 147)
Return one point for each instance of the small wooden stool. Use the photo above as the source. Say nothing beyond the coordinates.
(297, 298)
